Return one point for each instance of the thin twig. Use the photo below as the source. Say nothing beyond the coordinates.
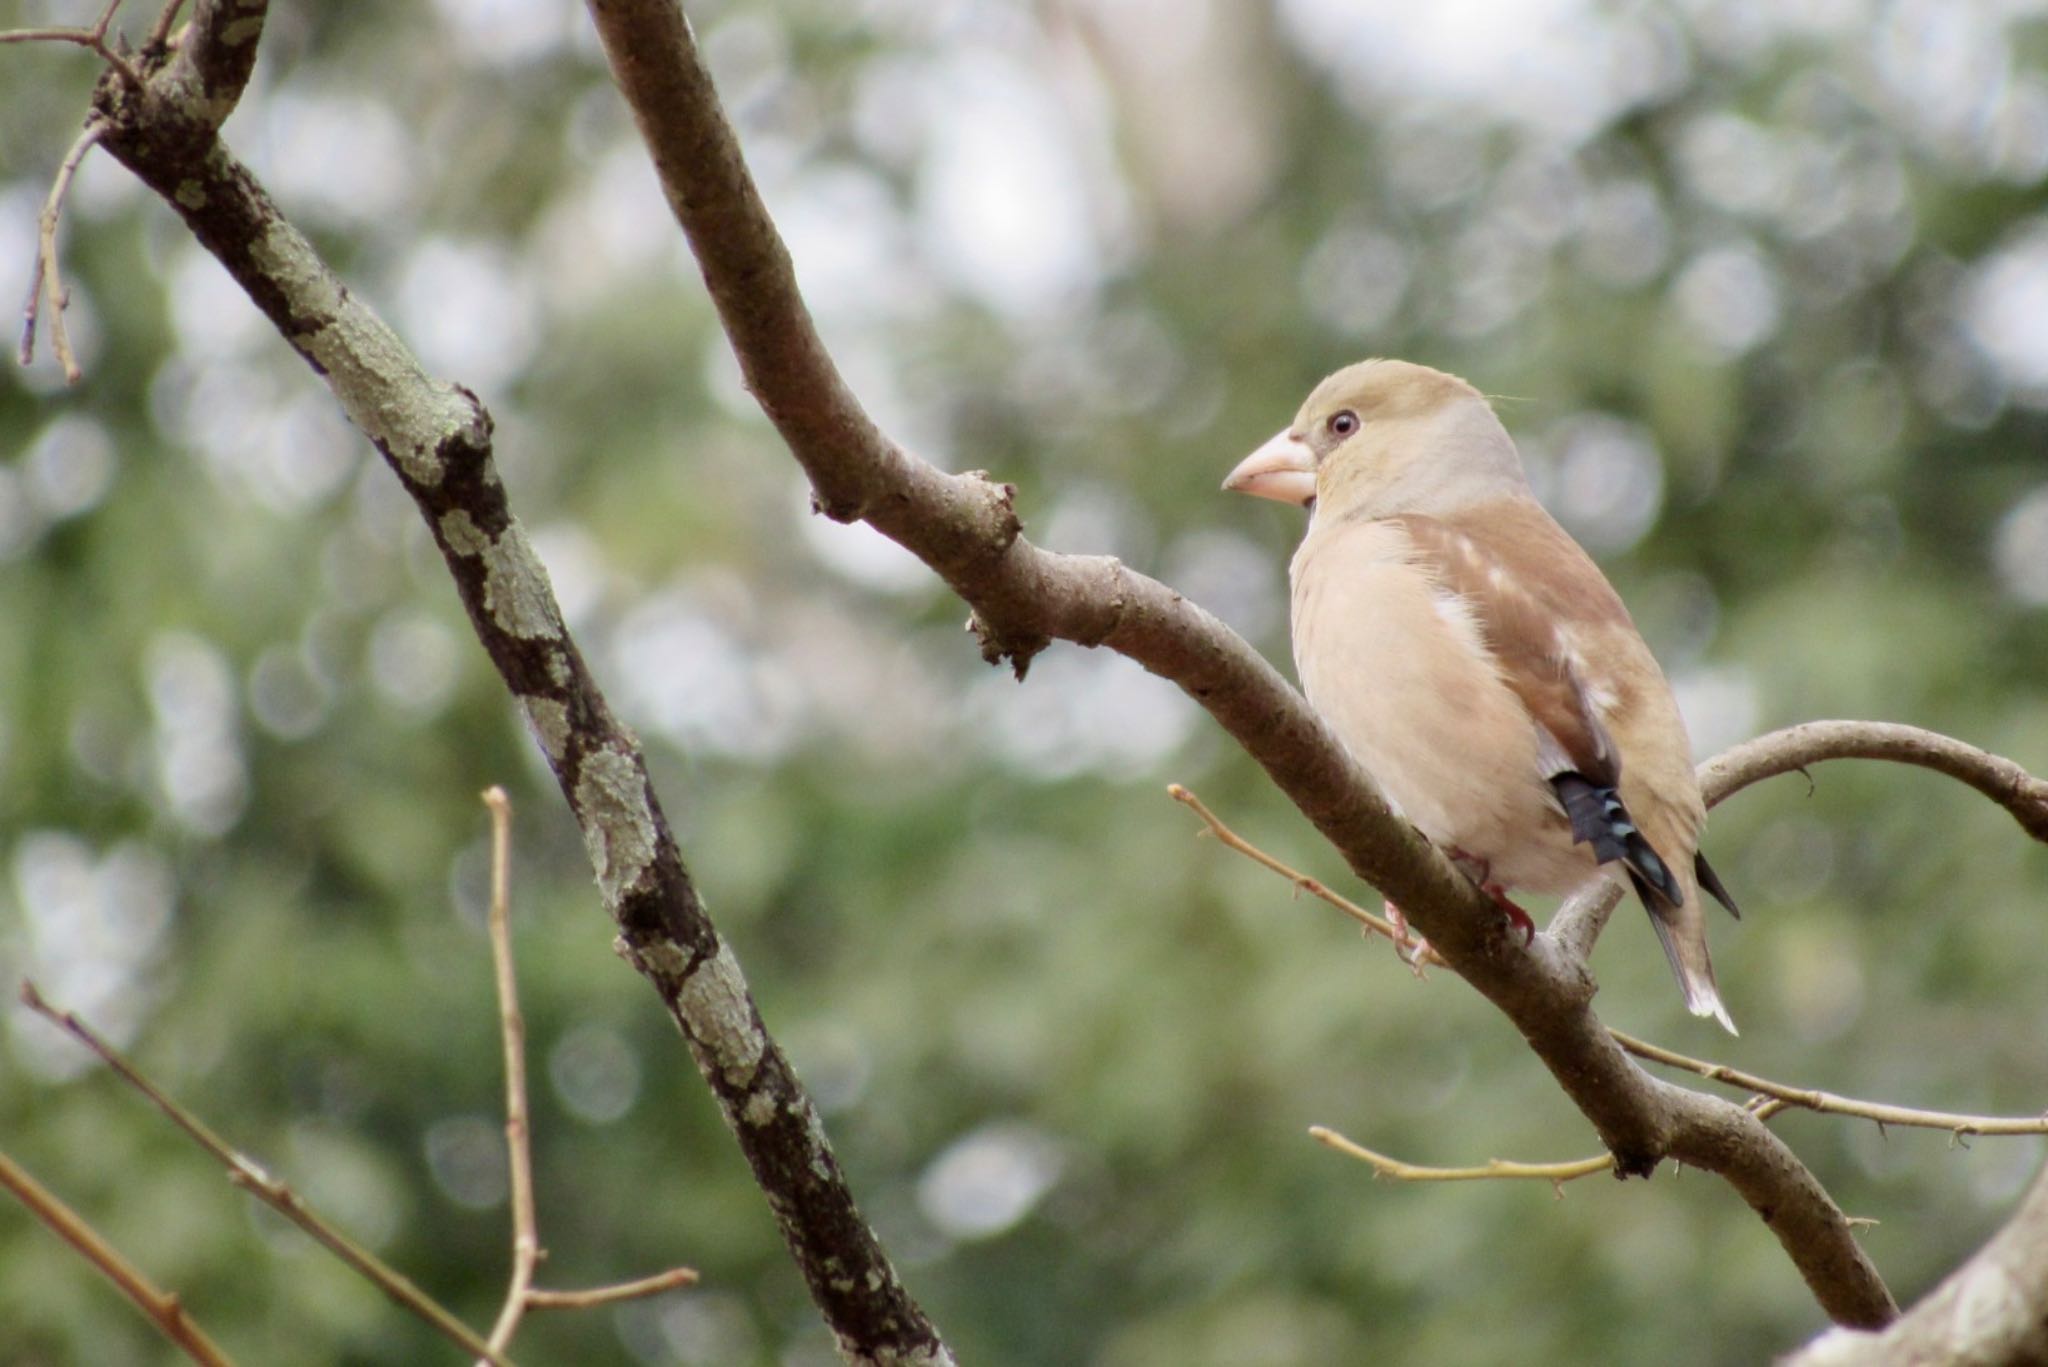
(1314, 887)
(160, 31)
(526, 1253)
(246, 1173)
(522, 1295)
(47, 269)
(94, 38)
(675, 1277)
(1495, 1169)
(162, 1308)
(1955, 1123)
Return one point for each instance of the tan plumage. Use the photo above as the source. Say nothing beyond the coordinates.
(1474, 659)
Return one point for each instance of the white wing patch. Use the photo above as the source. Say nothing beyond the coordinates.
(1456, 612)
(1600, 699)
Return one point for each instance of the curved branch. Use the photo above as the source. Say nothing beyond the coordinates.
(436, 437)
(1584, 915)
(965, 528)
(1795, 747)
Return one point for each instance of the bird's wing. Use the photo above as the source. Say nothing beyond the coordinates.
(1549, 618)
(1505, 572)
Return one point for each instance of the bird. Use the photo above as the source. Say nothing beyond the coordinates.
(1475, 661)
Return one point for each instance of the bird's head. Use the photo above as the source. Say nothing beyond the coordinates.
(1381, 438)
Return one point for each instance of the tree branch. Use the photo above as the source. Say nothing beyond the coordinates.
(1795, 747)
(1580, 920)
(522, 1295)
(1829, 1103)
(49, 270)
(1494, 1169)
(526, 1250)
(1989, 1311)
(436, 437)
(1779, 1094)
(966, 529)
(215, 55)
(162, 1308)
(94, 39)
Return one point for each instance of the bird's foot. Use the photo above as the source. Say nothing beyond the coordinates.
(1409, 947)
(1478, 870)
(1518, 918)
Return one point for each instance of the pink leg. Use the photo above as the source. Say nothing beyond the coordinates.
(1479, 869)
(1518, 918)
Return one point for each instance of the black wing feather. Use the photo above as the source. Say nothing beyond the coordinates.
(1599, 819)
(1711, 881)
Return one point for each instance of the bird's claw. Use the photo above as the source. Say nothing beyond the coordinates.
(1409, 947)
(1518, 918)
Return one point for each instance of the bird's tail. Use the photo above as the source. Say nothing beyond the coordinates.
(1599, 819)
(1685, 945)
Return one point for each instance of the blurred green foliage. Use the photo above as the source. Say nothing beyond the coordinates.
(1768, 286)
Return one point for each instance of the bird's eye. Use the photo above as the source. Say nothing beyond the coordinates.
(1343, 424)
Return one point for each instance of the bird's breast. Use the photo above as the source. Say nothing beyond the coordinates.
(1401, 672)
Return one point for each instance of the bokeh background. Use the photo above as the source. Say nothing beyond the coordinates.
(1764, 290)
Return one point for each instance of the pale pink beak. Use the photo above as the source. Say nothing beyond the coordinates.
(1284, 469)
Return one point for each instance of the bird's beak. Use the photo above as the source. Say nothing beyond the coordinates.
(1284, 469)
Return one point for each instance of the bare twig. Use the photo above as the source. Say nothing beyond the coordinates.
(162, 1308)
(1829, 1103)
(94, 38)
(1314, 887)
(526, 1250)
(47, 269)
(280, 1197)
(1584, 914)
(674, 1278)
(160, 31)
(1495, 1169)
(1580, 920)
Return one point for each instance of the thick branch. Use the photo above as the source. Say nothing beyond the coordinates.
(436, 437)
(965, 528)
(216, 52)
(1988, 1311)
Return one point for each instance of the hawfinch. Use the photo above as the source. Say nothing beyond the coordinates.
(1476, 663)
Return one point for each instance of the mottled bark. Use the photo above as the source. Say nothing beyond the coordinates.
(436, 438)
